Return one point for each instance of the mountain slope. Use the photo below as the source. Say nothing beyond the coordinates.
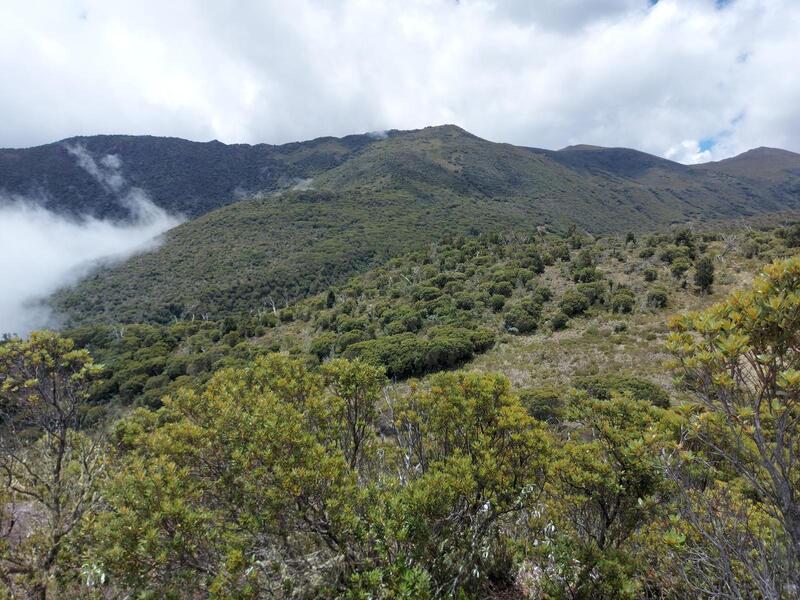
(374, 198)
(183, 177)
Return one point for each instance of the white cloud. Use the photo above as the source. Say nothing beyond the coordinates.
(41, 252)
(549, 73)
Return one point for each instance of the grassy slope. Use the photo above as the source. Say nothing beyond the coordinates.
(394, 195)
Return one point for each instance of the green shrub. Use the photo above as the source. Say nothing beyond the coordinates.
(603, 386)
(497, 302)
(402, 355)
(519, 320)
(573, 303)
(650, 274)
(322, 346)
(543, 403)
(349, 338)
(623, 300)
(679, 267)
(558, 321)
(586, 275)
(594, 291)
(501, 288)
(447, 347)
(657, 298)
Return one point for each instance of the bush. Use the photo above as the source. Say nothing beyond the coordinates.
(349, 338)
(519, 320)
(497, 302)
(650, 274)
(679, 267)
(573, 303)
(623, 300)
(482, 339)
(704, 273)
(502, 288)
(323, 345)
(558, 321)
(544, 403)
(657, 298)
(586, 275)
(603, 386)
(594, 291)
(402, 355)
(447, 347)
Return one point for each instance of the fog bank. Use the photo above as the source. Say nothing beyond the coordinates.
(41, 252)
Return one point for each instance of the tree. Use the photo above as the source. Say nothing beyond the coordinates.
(704, 273)
(355, 389)
(606, 486)
(473, 460)
(50, 469)
(741, 360)
(239, 489)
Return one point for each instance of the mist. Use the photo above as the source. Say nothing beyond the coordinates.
(41, 252)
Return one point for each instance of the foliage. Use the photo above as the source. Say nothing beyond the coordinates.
(50, 469)
(740, 359)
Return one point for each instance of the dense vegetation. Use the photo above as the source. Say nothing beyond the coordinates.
(284, 478)
(538, 303)
(373, 199)
(183, 177)
(303, 395)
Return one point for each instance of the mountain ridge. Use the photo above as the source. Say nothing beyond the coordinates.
(368, 199)
(193, 178)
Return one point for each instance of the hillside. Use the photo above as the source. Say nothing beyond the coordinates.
(540, 310)
(395, 194)
(189, 178)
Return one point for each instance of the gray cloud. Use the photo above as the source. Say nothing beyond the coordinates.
(689, 79)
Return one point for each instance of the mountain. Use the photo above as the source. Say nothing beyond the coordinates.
(365, 199)
(190, 178)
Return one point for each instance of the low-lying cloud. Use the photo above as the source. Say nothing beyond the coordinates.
(41, 252)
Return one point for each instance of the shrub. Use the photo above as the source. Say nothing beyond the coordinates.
(573, 303)
(519, 320)
(704, 273)
(482, 339)
(323, 345)
(586, 275)
(558, 321)
(593, 291)
(679, 267)
(623, 300)
(349, 338)
(657, 298)
(497, 302)
(402, 355)
(426, 293)
(650, 274)
(603, 386)
(502, 288)
(543, 403)
(447, 347)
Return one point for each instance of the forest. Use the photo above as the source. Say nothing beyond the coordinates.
(549, 415)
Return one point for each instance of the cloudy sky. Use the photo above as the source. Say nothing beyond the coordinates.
(691, 80)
